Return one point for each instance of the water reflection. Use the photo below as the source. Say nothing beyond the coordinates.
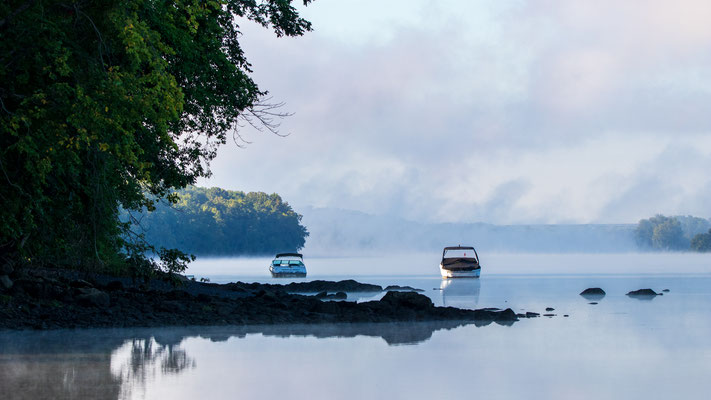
(460, 293)
(139, 361)
(119, 363)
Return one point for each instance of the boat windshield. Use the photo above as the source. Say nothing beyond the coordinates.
(281, 261)
(459, 253)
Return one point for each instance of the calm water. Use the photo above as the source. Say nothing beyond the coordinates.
(619, 348)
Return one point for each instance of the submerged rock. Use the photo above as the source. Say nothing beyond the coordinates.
(402, 289)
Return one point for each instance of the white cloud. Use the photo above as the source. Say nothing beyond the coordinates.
(507, 112)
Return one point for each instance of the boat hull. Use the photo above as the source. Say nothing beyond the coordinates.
(447, 273)
(288, 272)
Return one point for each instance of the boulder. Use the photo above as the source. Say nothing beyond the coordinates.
(593, 294)
(93, 297)
(592, 291)
(643, 293)
(409, 300)
(5, 282)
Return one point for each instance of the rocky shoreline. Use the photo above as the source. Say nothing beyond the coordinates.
(51, 299)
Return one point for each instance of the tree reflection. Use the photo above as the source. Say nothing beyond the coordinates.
(141, 360)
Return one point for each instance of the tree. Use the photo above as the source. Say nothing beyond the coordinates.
(661, 233)
(222, 222)
(669, 236)
(701, 242)
(110, 104)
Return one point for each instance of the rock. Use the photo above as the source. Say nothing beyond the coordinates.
(530, 314)
(114, 285)
(665, 290)
(550, 309)
(80, 283)
(566, 315)
(642, 293)
(5, 282)
(340, 295)
(203, 298)
(93, 297)
(348, 285)
(593, 293)
(549, 315)
(408, 300)
(402, 288)
(506, 315)
(593, 303)
(321, 295)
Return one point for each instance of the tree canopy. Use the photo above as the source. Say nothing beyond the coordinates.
(670, 233)
(113, 103)
(215, 221)
(701, 242)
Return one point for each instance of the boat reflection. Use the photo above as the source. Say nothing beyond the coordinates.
(460, 293)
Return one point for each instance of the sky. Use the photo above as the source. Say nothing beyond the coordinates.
(505, 112)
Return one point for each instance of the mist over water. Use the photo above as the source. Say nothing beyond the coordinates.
(621, 347)
(353, 233)
(398, 264)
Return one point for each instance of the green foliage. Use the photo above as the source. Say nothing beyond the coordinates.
(174, 261)
(215, 221)
(669, 233)
(112, 104)
(701, 242)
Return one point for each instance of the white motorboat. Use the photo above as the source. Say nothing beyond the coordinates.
(459, 262)
(288, 265)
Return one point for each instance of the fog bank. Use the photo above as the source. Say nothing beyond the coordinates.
(353, 232)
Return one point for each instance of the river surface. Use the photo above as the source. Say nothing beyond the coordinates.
(621, 347)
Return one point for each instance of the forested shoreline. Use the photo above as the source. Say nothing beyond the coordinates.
(215, 221)
(675, 233)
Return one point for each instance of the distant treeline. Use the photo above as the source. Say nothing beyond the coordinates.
(216, 221)
(674, 233)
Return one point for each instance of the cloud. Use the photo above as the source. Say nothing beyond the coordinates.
(501, 112)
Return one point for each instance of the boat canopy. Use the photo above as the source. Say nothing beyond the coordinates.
(464, 252)
(289, 255)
